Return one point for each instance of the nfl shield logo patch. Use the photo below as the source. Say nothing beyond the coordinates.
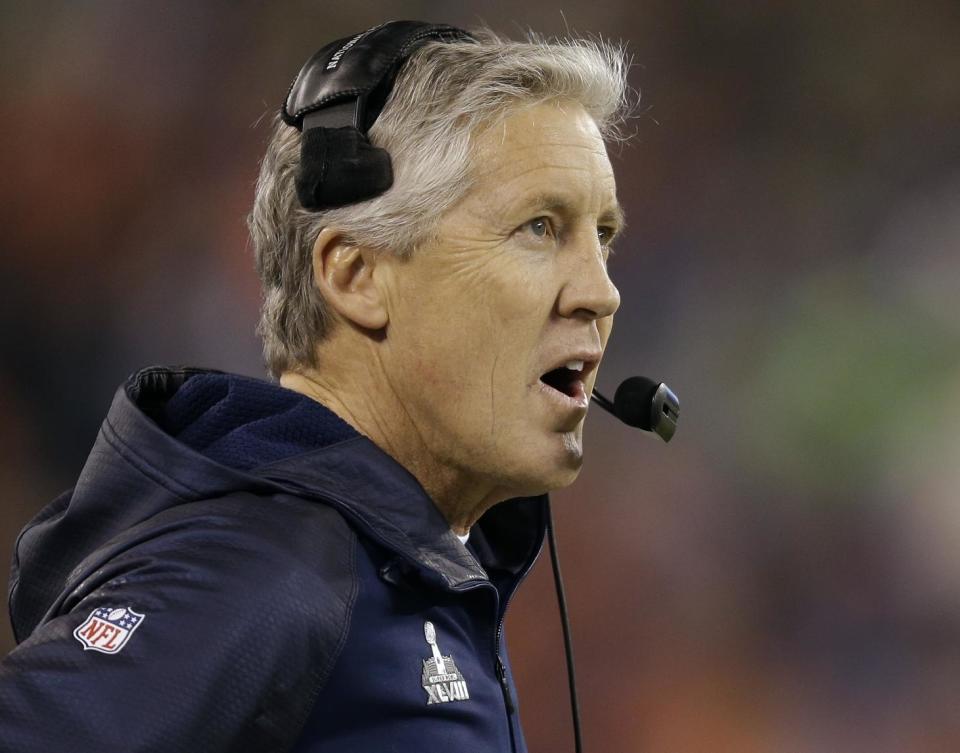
(108, 629)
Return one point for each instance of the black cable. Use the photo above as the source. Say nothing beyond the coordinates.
(565, 622)
(603, 402)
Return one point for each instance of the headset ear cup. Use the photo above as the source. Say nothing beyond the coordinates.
(338, 166)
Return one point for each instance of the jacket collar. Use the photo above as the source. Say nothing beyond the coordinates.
(355, 475)
(377, 492)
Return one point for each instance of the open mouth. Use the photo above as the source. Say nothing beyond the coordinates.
(565, 380)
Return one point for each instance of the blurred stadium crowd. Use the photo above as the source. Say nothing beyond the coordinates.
(785, 576)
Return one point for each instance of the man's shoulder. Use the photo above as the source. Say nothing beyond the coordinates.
(240, 558)
(237, 605)
(276, 572)
(250, 541)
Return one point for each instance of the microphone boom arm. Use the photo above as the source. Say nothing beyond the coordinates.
(603, 402)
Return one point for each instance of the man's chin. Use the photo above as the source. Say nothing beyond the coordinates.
(562, 466)
(572, 444)
(543, 487)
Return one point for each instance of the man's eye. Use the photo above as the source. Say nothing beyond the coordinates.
(540, 227)
(605, 234)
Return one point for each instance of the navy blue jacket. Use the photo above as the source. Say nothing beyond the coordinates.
(238, 570)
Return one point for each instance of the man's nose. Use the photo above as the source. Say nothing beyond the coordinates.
(588, 291)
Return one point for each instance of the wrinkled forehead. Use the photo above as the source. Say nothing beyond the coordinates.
(550, 148)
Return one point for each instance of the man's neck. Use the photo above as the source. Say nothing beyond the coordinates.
(384, 422)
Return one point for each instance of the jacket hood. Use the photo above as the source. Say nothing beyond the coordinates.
(176, 436)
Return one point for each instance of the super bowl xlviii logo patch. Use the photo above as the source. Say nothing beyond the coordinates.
(108, 629)
(441, 678)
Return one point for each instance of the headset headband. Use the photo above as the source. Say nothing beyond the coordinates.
(334, 100)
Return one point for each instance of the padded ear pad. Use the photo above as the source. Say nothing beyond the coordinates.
(334, 100)
(338, 166)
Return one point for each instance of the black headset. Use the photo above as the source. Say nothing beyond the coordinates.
(337, 96)
(335, 99)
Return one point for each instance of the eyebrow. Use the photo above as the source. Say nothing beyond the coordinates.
(557, 203)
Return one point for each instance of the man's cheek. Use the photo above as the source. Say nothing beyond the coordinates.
(523, 305)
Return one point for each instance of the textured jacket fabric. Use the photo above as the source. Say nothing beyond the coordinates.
(237, 570)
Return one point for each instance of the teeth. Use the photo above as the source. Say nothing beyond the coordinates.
(574, 365)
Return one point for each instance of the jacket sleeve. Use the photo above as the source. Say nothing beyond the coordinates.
(211, 628)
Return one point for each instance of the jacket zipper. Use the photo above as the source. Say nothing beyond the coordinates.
(504, 685)
(500, 667)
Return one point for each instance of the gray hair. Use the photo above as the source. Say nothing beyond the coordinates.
(444, 96)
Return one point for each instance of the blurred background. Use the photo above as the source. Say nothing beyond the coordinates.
(785, 575)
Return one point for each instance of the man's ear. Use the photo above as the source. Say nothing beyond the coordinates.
(344, 274)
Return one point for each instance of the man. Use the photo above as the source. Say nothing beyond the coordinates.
(324, 564)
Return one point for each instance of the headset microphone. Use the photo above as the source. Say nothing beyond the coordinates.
(643, 403)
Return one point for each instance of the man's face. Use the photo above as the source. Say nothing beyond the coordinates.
(514, 287)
